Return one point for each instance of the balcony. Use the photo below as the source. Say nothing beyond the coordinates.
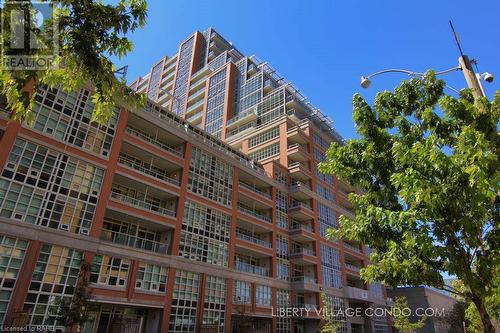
(195, 108)
(357, 294)
(296, 135)
(196, 96)
(255, 190)
(299, 171)
(249, 211)
(141, 204)
(148, 169)
(133, 241)
(303, 256)
(305, 283)
(242, 118)
(301, 191)
(352, 267)
(301, 211)
(352, 247)
(196, 119)
(253, 240)
(249, 268)
(268, 86)
(298, 152)
(155, 141)
(302, 232)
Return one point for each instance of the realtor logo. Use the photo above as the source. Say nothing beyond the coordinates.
(30, 39)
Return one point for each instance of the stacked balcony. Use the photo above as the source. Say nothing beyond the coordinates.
(301, 211)
(242, 118)
(299, 171)
(303, 253)
(298, 152)
(251, 264)
(304, 278)
(301, 191)
(302, 231)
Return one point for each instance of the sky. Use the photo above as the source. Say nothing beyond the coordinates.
(325, 46)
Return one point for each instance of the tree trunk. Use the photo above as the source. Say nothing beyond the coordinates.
(485, 317)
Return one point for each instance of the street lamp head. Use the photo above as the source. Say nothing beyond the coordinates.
(488, 77)
(365, 82)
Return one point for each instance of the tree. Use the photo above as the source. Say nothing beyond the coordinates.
(402, 320)
(427, 169)
(455, 318)
(329, 324)
(75, 311)
(88, 33)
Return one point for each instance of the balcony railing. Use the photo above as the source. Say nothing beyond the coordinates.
(142, 204)
(254, 240)
(352, 267)
(157, 174)
(249, 268)
(255, 189)
(352, 247)
(303, 250)
(298, 204)
(141, 135)
(305, 279)
(133, 241)
(249, 211)
(195, 105)
(300, 226)
(297, 165)
(246, 113)
(308, 306)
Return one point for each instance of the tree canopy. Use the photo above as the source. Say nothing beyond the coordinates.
(427, 169)
(88, 33)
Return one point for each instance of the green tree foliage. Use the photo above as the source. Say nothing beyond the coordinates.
(89, 32)
(427, 166)
(328, 323)
(402, 321)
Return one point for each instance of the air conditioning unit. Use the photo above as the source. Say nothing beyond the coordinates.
(64, 226)
(85, 231)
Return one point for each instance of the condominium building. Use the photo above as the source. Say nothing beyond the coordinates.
(202, 212)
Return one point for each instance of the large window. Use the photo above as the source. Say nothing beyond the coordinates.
(210, 177)
(337, 308)
(263, 295)
(261, 154)
(54, 280)
(68, 117)
(151, 278)
(73, 188)
(205, 234)
(182, 75)
(215, 103)
(327, 219)
(330, 267)
(215, 302)
(242, 292)
(12, 251)
(264, 137)
(184, 302)
(110, 271)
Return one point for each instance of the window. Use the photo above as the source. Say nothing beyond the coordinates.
(325, 193)
(12, 251)
(53, 281)
(281, 211)
(330, 267)
(210, 177)
(327, 219)
(68, 117)
(205, 234)
(182, 75)
(109, 271)
(263, 295)
(215, 302)
(184, 302)
(215, 103)
(337, 309)
(151, 278)
(271, 150)
(73, 188)
(242, 292)
(264, 137)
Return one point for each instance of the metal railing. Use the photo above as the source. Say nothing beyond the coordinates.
(297, 165)
(195, 116)
(141, 135)
(305, 279)
(353, 267)
(142, 204)
(298, 204)
(249, 211)
(254, 240)
(242, 115)
(249, 268)
(134, 165)
(255, 189)
(302, 250)
(300, 226)
(133, 241)
(352, 247)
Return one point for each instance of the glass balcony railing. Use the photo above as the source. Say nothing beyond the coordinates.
(149, 171)
(302, 250)
(254, 240)
(305, 279)
(255, 189)
(249, 211)
(195, 105)
(352, 247)
(249, 268)
(246, 113)
(146, 137)
(300, 226)
(353, 267)
(142, 204)
(298, 204)
(133, 241)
